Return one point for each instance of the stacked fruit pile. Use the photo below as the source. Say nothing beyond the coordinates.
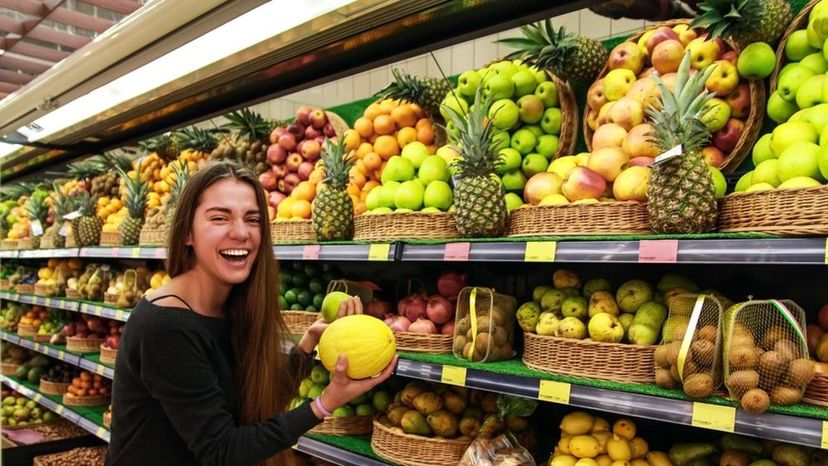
(54, 278)
(61, 372)
(113, 340)
(23, 275)
(127, 288)
(53, 323)
(17, 219)
(158, 279)
(20, 411)
(87, 385)
(367, 404)
(424, 313)
(34, 317)
(247, 144)
(89, 327)
(33, 369)
(90, 285)
(15, 355)
(303, 286)
(589, 440)
(11, 315)
(739, 451)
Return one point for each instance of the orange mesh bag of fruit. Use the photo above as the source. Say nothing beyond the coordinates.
(484, 325)
(765, 355)
(690, 354)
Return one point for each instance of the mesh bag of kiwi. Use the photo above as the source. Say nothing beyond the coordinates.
(484, 325)
(690, 353)
(766, 354)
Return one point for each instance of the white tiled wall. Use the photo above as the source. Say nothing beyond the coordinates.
(453, 60)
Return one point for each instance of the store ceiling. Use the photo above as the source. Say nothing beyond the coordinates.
(37, 34)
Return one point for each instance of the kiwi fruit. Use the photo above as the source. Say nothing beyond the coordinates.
(484, 324)
(679, 331)
(664, 379)
(785, 396)
(800, 372)
(703, 352)
(674, 372)
(768, 380)
(755, 401)
(506, 351)
(466, 348)
(772, 363)
(690, 367)
(708, 333)
(499, 315)
(459, 343)
(774, 334)
(462, 326)
(742, 357)
(740, 382)
(673, 352)
(698, 385)
(660, 356)
(481, 344)
(501, 337)
(788, 349)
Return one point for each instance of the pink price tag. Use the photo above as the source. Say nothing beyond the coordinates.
(456, 252)
(659, 250)
(311, 252)
(160, 253)
(115, 252)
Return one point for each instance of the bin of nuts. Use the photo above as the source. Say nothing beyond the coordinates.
(87, 456)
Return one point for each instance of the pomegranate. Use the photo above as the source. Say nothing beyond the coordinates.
(422, 326)
(416, 308)
(402, 306)
(398, 324)
(439, 310)
(449, 283)
(448, 329)
(379, 309)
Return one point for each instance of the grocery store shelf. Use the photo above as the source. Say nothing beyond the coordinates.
(47, 253)
(334, 454)
(95, 309)
(8, 254)
(59, 352)
(338, 252)
(65, 412)
(124, 252)
(780, 427)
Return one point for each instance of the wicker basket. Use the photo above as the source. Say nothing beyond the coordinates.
(299, 321)
(753, 123)
(47, 241)
(53, 388)
(413, 450)
(152, 236)
(72, 400)
(70, 240)
(83, 345)
(42, 290)
(788, 212)
(42, 338)
(24, 289)
(8, 244)
(424, 343)
(816, 392)
(5, 284)
(410, 225)
(110, 298)
(72, 294)
(602, 218)
(111, 238)
(292, 231)
(354, 425)
(9, 368)
(25, 243)
(590, 359)
(24, 330)
(800, 21)
(108, 354)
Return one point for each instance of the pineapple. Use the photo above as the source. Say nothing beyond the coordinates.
(479, 198)
(84, 172)
(252, 132)
(38, 210)
(63, 205)
(87, 228)
(333, 208)
(165, 146)
(569, 55)
(680, 193)
(745, 21)
(428, 93)
(196, 145)
(136, 203)
(181, 176)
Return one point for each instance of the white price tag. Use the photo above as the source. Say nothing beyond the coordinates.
(670, 154)
(72, 215)
(37, 228)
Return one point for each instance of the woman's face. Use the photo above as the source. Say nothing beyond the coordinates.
(226, 233)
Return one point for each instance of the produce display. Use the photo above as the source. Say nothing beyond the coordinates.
(424, 313)
(303, 286)
(34, 368)
(18, 411)
(15, 355)
(86, 386)
(91, 328)
(53, 278)
(366, 404)
(484, 325)
(11, 314)
(61, 372)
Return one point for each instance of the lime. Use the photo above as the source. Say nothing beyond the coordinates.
(296, 307)
(298, 266)
(343, 411)
(300, 280)
(283, 304)
(317, 299)
(312, 270)
(304, 298)
(361, 399)
(285, 279)
(312, 308)
(291, 295)
(327, 277)
(315, 285)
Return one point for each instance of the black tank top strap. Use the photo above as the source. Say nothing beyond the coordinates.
(173, 296)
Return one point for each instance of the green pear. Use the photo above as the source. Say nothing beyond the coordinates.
(548, 324)
(605, 328)
(528, 315)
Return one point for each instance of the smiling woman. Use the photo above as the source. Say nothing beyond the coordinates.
(202, 378)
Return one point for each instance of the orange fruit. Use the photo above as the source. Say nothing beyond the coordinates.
(364, 148)
(418, 111)
(301, 209)
(372, 161)
(285, 208)
(388, 106)
(364, 127)
(352, 189)
(370, 185)
(404, 116)
(360, 208)
(385, 146)
(423, 122)
(358, 179)
(426, 135)
(304, 190)
(360, 167)
(352, 139)
(406, 135)
(384, 124)
(373, 111)
(373, 138)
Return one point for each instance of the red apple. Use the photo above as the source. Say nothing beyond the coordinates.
(311, 150)
(822, 318)
(730, 56)
(291, 180)
(268, 180)
(583, 183)
(287, 141)
(640, 161)
(660, 35)
(294, 160)
(311, 132)
(305, 170)
(297, 129)
(274, 135)
(739, 101)
(280, 170)
(318, 119)
(726, 138)
(303, 115)
(275, 198)
(713, 156)
(329, 130)
(69, 330)
(320, 140)
(276, 154)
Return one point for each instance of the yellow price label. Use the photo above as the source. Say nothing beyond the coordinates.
(37, 397)
(379, 252)
(99, 369)
(100, 432)
(824, 435)
(48, 302)
(454, 375)
(59, 409)
(136, 253)
(714, 417)
(540, 251)
(61, 354)
(120, 315)
(556, 392)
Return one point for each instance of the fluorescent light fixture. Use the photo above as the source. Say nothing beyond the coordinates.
(251, 28)
(7, 149)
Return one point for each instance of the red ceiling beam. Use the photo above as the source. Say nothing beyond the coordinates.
(11, 25)
(24, 65)
(56, 37)
(38, 51)
(14, 77)
(80, 20)
(8, 87)
(27, 7)
(124, 7)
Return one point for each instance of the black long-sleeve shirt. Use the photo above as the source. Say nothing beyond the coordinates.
(174, 399)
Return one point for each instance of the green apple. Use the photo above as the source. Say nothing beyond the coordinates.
(455, 102)
(511, 159)
(513, 181)
(789, 83)
(551, 121)
(762, 150)
(533, 164)
(810, 91)
(524, 141)
(372, 201)
(617, 82)
(382, 211)
(409, 196)
(438, 194)
(415, 152)
(386, 196)
(398, 169)
(540, 75)
(797, 46)
(815, 39)
(430, 210)
(719, 182)
(452, 131)
(468, 83)
(501, 140)
(535, 129)
(524, 81)
(817, 116)
(767, 172)
(823, 163)
(779, 109)
(433, 168)
(548, 93)
(815, 61)
(530, 108)
(799, 182)
(513, 201)
(759, 187)
(547, 145)
(331, 303)
(499, 87)
(800, 159)
(786, 68)
(504, 113)
(505, 68)
(790, 133)
(756, 61)
(744, 182)
(715, 113)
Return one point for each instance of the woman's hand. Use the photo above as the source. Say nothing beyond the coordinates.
(343, 389)
(312, 335)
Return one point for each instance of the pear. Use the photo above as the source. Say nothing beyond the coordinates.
(413, 422)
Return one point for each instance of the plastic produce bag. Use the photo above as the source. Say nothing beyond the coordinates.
(484, 325)
(499, 451)
(365, 290)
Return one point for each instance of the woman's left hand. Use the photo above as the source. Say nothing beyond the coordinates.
(312, 335)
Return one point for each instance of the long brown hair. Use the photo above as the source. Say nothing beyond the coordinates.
(258, 327)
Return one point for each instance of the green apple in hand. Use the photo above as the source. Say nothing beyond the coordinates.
(756, 61)
(524, 141)
(790, 82)
(548, 93)
(551, 121)
(468, 83)
(504, 113)
(530, 108)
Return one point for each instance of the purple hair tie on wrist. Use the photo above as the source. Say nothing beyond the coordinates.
(321, 408)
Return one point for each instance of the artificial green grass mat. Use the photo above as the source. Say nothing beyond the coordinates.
(93, 413)
(96, 358)
(517, 368)
(360, 445)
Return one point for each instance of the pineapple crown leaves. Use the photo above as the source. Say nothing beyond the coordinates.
(197, 139)
(116, 160)
(474, 138)
(403, 82)
(721, 17)
(86, 169)
(248, 124)
(37, 207)
(85, 202)
(182, 174)
(137, 190)
(678, 120)
(62, 204)
(541, 45)
(337, 161)
(161, 144)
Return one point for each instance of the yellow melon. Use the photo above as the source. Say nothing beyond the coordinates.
(368, 343)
